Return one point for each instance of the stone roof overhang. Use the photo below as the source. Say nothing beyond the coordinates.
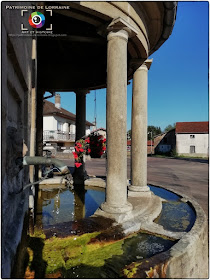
(79, 59)
(168, 23)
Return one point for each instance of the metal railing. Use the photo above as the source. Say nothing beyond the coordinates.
(55, 135)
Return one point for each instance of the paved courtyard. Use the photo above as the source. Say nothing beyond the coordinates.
(189, 177)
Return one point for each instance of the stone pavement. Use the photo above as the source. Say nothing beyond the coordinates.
(184, 176)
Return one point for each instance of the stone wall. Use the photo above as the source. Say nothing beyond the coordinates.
(16, 92)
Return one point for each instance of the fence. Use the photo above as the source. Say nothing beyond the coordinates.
(50, 135)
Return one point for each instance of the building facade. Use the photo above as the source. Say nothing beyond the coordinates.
(192, 139)
(59, 127)
(187, 139)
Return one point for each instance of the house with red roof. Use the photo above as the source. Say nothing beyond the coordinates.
(165, 143)
(192, 138)
(187, 138)
(59, 126)
(150, 146)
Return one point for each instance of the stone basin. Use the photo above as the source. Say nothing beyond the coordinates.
(84, 244)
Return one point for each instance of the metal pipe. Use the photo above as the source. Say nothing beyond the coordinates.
(27, 160)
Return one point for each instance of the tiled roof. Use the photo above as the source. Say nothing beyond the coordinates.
(149, 142)
(49, 109)
(192, 127)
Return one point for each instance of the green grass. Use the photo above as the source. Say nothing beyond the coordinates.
(190, 157)
(179, 156)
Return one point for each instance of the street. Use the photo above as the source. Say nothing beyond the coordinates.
(189, 177)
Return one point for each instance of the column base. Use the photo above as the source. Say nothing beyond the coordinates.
(113, 209)
(134, 191)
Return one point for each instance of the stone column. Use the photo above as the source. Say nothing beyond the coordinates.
(139, 131)
(39, 133)
(116, 118)
(39, 124)
(80, 174)
(80, 113)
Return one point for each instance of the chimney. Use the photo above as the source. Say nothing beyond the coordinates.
(57, 100)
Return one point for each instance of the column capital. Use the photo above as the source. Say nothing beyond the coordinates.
(135, 63)
(119, 24)
(82, 91)
(148, 63)
(139, 64)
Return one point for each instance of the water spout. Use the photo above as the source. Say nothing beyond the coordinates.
(37, 160)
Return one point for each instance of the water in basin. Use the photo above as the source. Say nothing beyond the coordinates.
(64, 205)
(83, 250)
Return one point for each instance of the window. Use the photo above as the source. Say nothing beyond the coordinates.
(192, 136)
(192, 149)
(60, 126)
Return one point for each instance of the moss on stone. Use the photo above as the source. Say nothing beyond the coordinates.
(85, 254)
(130, 273)
(57, 251)
(76, 251)
(38, 233)
(96, 255)
(62, 254)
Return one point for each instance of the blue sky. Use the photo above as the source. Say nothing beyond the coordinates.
(177, 79)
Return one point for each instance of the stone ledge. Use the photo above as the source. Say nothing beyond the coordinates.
(188, 258)
(191, 249)
(96, 182)
(55, 182)
(143, 207)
